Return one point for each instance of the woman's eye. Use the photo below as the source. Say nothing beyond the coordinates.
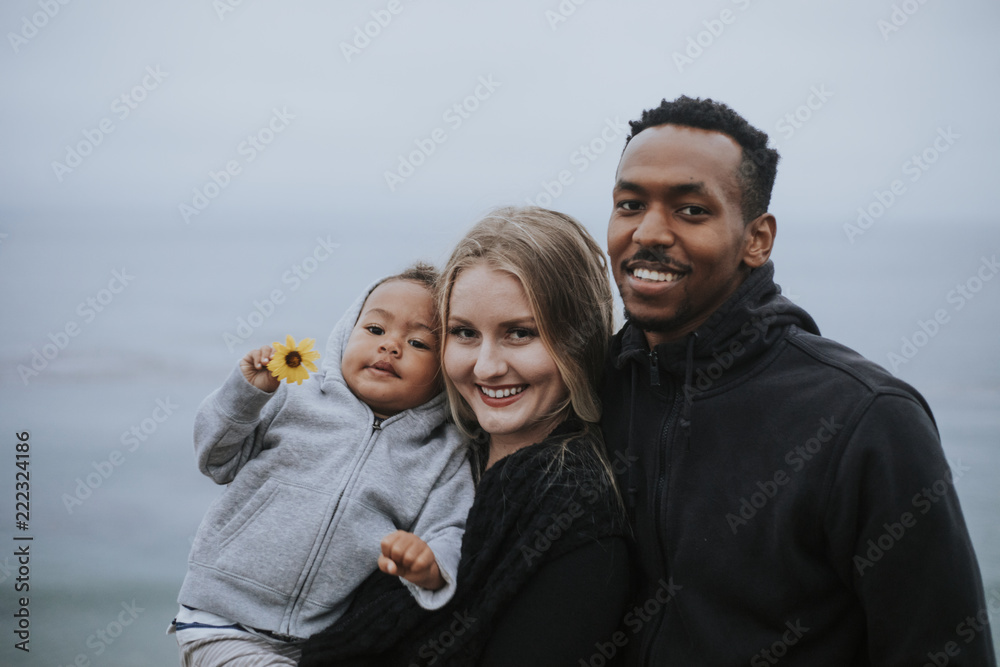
(522, 334)
(375, 329)
(461, 332)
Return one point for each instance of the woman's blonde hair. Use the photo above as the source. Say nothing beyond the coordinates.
(565, 278)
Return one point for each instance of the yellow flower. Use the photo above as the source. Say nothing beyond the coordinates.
(290, 361)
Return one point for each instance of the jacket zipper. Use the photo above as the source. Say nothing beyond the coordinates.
(308, 570)
(662, 488)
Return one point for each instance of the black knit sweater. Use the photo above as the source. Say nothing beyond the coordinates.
(530, 509)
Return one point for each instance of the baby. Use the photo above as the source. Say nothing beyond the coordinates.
(317, 475)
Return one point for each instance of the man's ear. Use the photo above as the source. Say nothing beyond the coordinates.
(759, 239)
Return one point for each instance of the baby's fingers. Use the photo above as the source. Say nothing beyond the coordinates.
(406, 550)
(399, 549)
(389, 542)
(386, 565)
(262, 356)
(420, 559)
(413, 555)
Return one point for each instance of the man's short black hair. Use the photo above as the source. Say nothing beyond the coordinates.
(760, 163)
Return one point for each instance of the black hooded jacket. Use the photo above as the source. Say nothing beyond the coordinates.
(793, 494)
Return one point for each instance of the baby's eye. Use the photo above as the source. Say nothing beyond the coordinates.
(375, 329)
(419, 344)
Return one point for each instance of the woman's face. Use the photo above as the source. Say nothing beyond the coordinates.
(497, 361)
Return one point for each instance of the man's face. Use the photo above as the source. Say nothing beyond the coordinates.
(676, 237)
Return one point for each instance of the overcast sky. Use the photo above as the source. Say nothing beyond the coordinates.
(881, 82)
(185, 134)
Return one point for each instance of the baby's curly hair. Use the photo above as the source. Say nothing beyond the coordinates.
(760, 163)
(419, 272)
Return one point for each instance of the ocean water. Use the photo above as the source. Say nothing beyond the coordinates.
(107, 557)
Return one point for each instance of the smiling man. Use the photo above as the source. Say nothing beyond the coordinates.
(793, 494)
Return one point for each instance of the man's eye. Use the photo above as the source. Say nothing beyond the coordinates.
(694, 210)
(375, 329)
(629, 205)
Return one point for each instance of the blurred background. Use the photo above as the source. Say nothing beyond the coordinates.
(185, 181)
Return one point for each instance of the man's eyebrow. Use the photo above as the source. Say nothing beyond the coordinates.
(693, 188)
(628, 185)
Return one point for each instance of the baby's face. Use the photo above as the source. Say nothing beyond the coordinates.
(391, 359)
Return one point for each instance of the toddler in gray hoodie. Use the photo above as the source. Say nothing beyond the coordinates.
(356, 469)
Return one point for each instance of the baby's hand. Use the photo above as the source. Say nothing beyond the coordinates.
(406, 555)
(254, 367)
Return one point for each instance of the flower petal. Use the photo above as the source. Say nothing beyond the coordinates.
(297, 375)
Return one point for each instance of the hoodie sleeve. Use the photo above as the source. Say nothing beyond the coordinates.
(230, 426)
(441, 524)
(906, 550)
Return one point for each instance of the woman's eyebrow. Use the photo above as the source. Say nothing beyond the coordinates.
(527, 319)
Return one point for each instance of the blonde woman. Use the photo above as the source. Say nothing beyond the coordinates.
(543, 579)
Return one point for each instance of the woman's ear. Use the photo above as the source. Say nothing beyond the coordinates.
(759, 239)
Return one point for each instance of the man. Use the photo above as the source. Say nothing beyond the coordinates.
(790, 499)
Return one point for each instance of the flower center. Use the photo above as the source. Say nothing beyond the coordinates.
(293, 359)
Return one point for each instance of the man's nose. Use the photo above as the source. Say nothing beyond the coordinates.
(655, 229)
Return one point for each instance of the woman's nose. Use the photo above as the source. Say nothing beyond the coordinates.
(490, 363)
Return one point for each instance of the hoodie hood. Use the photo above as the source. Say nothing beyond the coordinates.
(333, 355)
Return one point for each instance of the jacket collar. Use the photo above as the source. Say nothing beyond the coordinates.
(749, 323)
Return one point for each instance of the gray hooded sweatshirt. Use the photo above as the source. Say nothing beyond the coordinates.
(313, 489)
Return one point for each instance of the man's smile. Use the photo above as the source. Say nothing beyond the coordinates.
(654, 276)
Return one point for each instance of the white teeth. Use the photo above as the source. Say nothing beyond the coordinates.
(655, 276)
(501, 393)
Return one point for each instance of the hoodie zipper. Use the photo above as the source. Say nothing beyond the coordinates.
(293, 610)
(654, 369)
(664, 446)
